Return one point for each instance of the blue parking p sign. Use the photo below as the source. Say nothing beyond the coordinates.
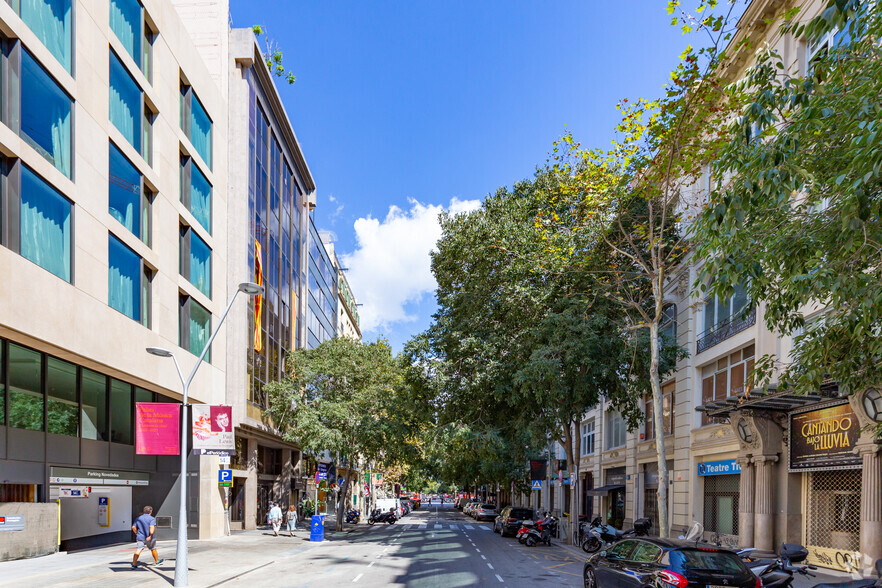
(225, 477)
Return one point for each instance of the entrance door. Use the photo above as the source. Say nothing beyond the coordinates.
(616, 514)
(237, 500)
(264, 497)
(833, 518)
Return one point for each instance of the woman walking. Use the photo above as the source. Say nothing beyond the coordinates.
(291, 519)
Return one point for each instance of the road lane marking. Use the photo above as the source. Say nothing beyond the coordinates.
(437, 526)
(498, 577)
(489, 565)
(372, 563)
(484, 557)
(454, 527)
(386, 549)
(476, 549)
(469, 527)
(357, 578)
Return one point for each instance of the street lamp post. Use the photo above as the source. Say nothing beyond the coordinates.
(181, 569)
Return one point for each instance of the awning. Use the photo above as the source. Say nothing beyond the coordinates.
(770, 399)
(604, 490)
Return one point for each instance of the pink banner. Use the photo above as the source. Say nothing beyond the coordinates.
(157, 428)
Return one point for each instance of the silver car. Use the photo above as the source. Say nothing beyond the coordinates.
(485, 511)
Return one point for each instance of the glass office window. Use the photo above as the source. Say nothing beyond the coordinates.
(45, 225)
(200, 264)
(45, 114)
(120, 412)
(200, 130)
(61, 385)
(142, 395)
(126, 110)
(25, 389)
(50, 20)
(124, 192)
(126, 22)
(93, 391)
(195, 327)
(200, 197)
(124, 279)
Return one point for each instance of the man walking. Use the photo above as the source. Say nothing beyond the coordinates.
(144, 529)
(275, 516)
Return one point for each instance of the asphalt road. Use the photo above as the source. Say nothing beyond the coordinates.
(433, 547)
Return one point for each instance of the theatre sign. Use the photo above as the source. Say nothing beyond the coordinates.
(823, 439)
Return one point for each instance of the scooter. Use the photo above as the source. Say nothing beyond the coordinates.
(352, 516)
(598, 535)
(867, 583)
(543, 532)
(379, 516)
(526, 527)
(591, 540)
(778, 572)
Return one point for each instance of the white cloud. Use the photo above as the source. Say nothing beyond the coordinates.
(390, 267)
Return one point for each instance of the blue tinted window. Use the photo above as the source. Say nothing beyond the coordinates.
(125, 103)
(200, 197)
(125, 21)
(200, 130)
(45, 114)
(124, 191)
(124, 279)
(200, 329)
(50, 21)
(45, 225)
(200, 264)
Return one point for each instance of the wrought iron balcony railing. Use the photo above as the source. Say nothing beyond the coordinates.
(725, 329)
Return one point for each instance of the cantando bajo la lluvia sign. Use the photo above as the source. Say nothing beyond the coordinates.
(824, 438)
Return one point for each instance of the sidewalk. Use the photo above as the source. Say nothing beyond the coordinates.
(799, 581)
(212, 562)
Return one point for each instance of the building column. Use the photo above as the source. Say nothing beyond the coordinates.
(745, 502)
(251, 486)
(871, 508)
(764, 502)
(285, 478)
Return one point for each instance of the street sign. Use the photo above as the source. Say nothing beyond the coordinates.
(12, 523)
(223, 459)
(322, 473)
(225, 478)
(103, 511)
(74, 492)
(537, 484)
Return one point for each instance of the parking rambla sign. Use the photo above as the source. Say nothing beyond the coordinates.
(718, 468)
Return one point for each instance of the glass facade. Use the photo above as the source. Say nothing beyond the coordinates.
(45, 114)
(196, 124)
(124, 192)
(25, 389)
(196, 192)
(195, 260)
(274, 202)
(195, 327)
(45, 225)
(124, 279)
(127, 23)
(121, 415)
(50, 20)
(61, 391)
(93, 394)
(126, 109)
(321, 312)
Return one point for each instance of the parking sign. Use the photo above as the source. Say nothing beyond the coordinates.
(225, 478)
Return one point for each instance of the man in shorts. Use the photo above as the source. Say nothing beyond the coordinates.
(144, 529)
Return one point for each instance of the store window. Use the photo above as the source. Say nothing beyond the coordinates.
(25, 389)
(50, 21)
(588, 437)
(195, 260)
(721, 504)
(93, 392)
(196, 124)
(195, 327)
(45, 226)
(615, 427)
(120, 412)
(128, 202)
(61, 387)
(45, 114)
(667, 412)
(196, 192)
(728, 376)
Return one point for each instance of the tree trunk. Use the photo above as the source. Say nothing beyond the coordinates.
(658, 422)
(341, 503)
(572, 450)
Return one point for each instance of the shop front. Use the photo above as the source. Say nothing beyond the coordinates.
(720, 481)
(650, 493)
(612, 495)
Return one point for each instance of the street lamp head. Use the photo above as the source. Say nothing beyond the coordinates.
(250, 288)
(159, 352)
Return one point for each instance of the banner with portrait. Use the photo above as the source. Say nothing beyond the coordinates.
(213, 430)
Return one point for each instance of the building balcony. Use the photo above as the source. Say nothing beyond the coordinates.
(725, 329)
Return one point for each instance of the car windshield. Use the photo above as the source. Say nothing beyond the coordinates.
(488, 506)
(700, 560)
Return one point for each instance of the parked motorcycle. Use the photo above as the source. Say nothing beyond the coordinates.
(352, 515)
(526, 527)
(543, 532)
(379, 516)
(867, 583)
(597, 535)
(778, 572)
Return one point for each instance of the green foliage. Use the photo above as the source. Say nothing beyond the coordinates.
(800, 219)
(273, 56)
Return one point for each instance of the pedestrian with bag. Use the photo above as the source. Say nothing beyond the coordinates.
(144, 530)
(291, 519)
(275, 516)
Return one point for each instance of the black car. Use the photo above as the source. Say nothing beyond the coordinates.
(509, 520)
(666, 563)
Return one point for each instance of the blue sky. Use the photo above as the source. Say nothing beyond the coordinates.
(410, 107)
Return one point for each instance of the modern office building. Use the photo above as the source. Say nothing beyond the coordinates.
(113, 220)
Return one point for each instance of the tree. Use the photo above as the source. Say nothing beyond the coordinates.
(341, 397)
(799, 224)
(620, 212)
(273, 56)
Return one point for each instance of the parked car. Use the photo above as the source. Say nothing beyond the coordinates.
(485, 512)
(470, 507)
(509, 520)
(650, 561)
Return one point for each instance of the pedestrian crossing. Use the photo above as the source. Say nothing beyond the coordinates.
(423, 526)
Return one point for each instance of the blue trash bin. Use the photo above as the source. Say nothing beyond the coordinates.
(317, 530)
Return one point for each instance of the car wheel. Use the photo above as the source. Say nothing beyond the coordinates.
(590, 579)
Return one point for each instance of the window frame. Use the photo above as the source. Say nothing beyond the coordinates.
(185, 303)
(187, 97)
(186, 253)
(71, 34)
(144, 116)
(187, 166)
(144, 289)
(145, 200)
(614, 421)
(588, 436)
